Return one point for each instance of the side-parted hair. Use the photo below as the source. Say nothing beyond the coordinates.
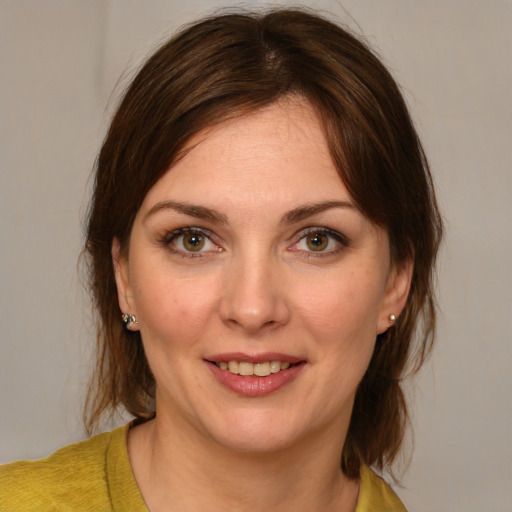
(228, 66)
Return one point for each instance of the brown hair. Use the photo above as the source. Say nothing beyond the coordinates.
(227, 66)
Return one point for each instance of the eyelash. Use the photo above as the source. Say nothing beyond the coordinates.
(339, 239)
(173, 235)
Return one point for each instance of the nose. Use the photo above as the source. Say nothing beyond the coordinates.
(253, 296)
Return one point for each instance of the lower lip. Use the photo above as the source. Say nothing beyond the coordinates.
(253, 386)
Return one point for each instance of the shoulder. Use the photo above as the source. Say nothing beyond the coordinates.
(375, 494)
(72, 478)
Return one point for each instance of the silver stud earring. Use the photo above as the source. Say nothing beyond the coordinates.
(128, 319)
(392, 319)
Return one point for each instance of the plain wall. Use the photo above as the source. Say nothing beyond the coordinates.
(59, 62)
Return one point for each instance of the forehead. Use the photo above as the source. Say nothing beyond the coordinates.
(276, 153)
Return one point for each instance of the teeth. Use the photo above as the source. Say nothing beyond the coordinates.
(275, 366)
(246, 369)
(262, 369)
(259, 369)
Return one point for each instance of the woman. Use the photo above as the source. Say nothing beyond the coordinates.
(261, 241)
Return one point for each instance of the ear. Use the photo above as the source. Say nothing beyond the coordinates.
(124, 289)
(395, 298)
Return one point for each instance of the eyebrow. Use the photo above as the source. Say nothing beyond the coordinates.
(308, 210)
(202, 212)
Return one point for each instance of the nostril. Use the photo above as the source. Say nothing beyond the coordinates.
(252, 299)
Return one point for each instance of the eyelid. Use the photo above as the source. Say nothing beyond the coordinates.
(339, 238)
(169, 236)
(173, 233)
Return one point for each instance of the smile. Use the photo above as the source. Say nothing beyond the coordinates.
(255, 375)
(263, 369)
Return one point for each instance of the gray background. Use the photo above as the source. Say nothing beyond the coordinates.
(60, 61)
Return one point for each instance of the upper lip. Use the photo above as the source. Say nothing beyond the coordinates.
(254, 358)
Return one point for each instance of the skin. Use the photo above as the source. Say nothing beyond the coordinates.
(257, 285)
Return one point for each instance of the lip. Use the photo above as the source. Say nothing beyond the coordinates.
(254, 358)
(253, 386)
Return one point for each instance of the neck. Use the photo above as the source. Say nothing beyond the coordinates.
(191, 472)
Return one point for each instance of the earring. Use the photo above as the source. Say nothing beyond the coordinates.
(392, 319)
(128, 320)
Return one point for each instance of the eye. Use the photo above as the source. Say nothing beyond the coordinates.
(317, 241)
(321, 241)
(193, 242)
(190, 240)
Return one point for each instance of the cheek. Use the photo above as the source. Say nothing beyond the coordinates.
(341, 317)
(345, 306)
(174, 309)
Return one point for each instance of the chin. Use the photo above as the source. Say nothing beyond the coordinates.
(258, 432)
(256, 442)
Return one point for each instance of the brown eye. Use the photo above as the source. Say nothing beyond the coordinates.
(193, 242)
(317, 241)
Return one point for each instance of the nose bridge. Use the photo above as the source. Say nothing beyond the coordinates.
(253, 294)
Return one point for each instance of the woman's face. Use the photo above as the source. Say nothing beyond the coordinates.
(258, 286)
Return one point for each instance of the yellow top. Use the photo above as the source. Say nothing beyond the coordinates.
(96, 476)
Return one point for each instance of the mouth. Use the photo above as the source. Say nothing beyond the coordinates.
(255, 376)
(262, 369)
